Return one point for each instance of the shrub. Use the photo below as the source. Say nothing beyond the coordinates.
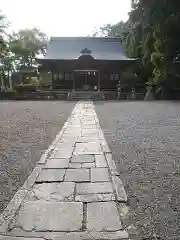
(21, 88)
(17, 88)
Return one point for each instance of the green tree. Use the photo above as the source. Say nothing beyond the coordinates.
(3, 47)
(26, 45)
(3, 27)
(154, 36)
(113, 30)
(119, 29)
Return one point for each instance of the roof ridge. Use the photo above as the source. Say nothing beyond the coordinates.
(84, 38)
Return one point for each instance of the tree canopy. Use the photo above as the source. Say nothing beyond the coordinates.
(23, 46)
(152, 35)
(3, 26)
(111, 30)
(26, 44)
(19, 49)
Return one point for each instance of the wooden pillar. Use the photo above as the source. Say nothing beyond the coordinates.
(51, 79)
(99, 79)
(86, 77)
(74, 84)
(119, 90)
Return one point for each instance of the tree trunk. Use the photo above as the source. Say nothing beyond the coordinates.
(3, 89)
(10, 82)
(149, 96)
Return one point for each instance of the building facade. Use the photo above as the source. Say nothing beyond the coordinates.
(84, 63)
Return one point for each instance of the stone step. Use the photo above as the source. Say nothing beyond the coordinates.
(85, 95)
(110, 95)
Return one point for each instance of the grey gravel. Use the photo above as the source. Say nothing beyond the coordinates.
(145, 140)
(26, 130)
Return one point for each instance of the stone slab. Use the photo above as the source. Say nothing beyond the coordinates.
(119, 189)
(99, 175)
(90, 113)
(105, 147)
(111, 162)
(101, 134)
(88, 165)
(90, 126)
(68, 139)
(98, 197)
(77, 175)
(63, 191)
(73, 134)
(18, 238)
(57, 163)
(45, 156)
(103, 216)
(88, 139)
(58, 153)
(91, 235)
(51, 175)
(73, 131)
(87, 148)
(74, 165)
(111, 165)
(82, 158)
(100, 161)
(63, 146)
(88, 188)
(90, 132)
(94, 236)
(48, 152)
(87, 118)
(47, 216)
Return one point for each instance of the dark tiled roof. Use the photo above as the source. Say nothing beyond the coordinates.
(71, 47)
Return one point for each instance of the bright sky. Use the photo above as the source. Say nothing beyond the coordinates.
(64, 17)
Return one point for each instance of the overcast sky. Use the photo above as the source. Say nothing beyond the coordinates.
(64, 17)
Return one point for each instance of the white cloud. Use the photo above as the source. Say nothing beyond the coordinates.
(64, 17)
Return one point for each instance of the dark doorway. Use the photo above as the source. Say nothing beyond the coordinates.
(86, 80)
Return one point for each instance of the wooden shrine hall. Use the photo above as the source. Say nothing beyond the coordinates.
(84, 63)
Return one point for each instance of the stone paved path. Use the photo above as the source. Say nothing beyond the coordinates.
(74, 192)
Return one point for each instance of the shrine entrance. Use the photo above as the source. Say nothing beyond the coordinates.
(86, 80)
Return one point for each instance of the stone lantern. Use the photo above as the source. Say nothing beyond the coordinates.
(149, 95)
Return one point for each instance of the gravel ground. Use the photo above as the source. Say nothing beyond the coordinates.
(26, 130)
(145, 140)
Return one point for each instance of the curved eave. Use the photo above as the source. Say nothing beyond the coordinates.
(72, 59)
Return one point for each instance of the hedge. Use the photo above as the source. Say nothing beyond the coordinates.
(25, 88)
